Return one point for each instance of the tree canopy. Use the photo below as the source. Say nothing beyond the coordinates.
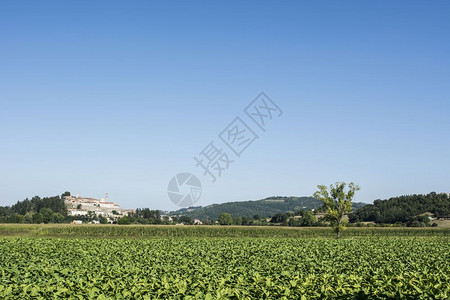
(36, 210)
(403, 209)
(336, 202)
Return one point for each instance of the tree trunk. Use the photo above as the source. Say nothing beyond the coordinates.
(338, 231)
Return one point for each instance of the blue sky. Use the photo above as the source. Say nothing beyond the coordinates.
(118, 97)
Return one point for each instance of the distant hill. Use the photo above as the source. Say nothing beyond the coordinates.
(264, 208)
(403, 209)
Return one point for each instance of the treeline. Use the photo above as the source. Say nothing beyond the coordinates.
(298, 218)
(36, 210)
(148, 216)
(144, 216)
(407, 210)
(265, 208)
(412, 210)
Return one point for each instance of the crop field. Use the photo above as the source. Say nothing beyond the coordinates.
(161, 231)
(360, 267)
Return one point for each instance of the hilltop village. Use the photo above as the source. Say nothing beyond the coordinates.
(81, 206)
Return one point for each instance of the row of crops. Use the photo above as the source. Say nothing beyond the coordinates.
(160, 231)
(225, 268)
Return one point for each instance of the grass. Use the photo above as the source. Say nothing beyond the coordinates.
(171, 231)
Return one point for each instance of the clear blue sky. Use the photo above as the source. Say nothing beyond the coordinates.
(119, 96)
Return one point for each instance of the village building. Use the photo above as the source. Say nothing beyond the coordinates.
(84, 206)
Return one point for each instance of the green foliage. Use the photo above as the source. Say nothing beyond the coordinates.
(57, 218)
(5, 211)
(237, 221)
(186, 220)
(56, 204)
(263, 208)
(47, 215)
(403, 209)
(225, 219)
(36, 210)
(336, 202)
(139, 231)
(38, 218)
(259, 210)
(145, 216)
(102, 219)
(124, 221)
(368, 268)
(308, 219)
(304, 218)
(28, 218)
(279, 218)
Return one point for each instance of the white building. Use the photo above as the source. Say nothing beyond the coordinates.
(76, 212)
(81, 206)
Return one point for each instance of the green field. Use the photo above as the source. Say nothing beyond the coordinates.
(171, 231)
(204, 262)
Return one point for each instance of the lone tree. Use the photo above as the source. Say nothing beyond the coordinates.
(337, 203)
